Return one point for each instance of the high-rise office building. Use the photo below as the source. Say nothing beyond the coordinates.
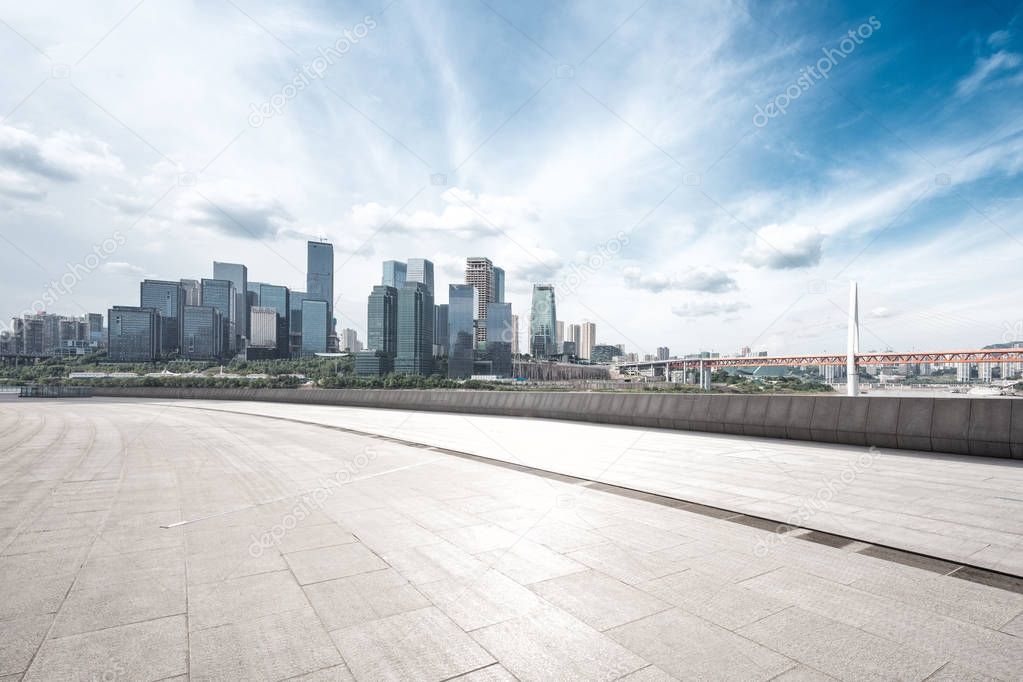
(587, 340)
(295, 322)
(479, 272)
(221, 294)
(573, 332)
(263, 327)
(543, 322)
(238, 275)
(191, 291)
(498, 285)
(254, 288)
(203, 333)
(500, 333)
(440, 329)
(663, 353)
(279, 298)
(169, 299)
(350, 341)
(420, 270)
(559, 334)
(415, 328)
(133, 334)
(382, 320)
(319, 276)
(315, 326)
(515, 334)
(461, 332)
(394, 274)
(96, 334)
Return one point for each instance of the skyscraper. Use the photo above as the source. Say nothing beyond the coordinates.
(543, 322)
(315, 326)
(415, 327)
(461, 335)
(350, 341)
(203, 333)
(279, 298)
(500, 332)
(133, 334)
(319, 278)
(559, 334)
(440, 329)
(96, 329)
(221, 294)
(479, 272)
(515, 334)
(663, 353)
(169, 299)
(394, 274)
(498, 285)
(295, 322)
(382, 320)
(263, 327)
(238, 275)
(191, 291)
(420, 270)
(587, 340)
(572, 334)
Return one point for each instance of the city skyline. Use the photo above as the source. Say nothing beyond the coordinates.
(714, 222)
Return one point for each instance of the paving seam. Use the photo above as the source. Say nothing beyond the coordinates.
(973, 572)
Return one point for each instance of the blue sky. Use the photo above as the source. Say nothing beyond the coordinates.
(611, 148)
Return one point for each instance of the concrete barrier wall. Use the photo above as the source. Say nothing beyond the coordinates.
(969, 426)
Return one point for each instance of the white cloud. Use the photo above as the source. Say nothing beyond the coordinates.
(987, 69)
(464, 214)
(708, 308)
(784, 247)
(709, 280)
(121, 269)
(60, 157)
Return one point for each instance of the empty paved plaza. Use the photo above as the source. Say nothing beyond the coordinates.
(151, 540)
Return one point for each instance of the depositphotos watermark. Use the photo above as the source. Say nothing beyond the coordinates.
(314, 70)
(810, 75)
(1013, 331)
(819, 501)
(580, 272)
(74, 273)
(309, 502)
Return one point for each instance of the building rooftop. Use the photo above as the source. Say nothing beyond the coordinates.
(149, 540)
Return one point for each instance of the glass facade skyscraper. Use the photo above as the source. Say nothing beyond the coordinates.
(315, 326)
(169, 299)
(279, 298)
(191, 291)
(295, 321)
(382, 320)
(394, 274)
(415, 328)
(420, 270)
(221, 294)
(440, 328)
(133, 334)
(543, 322)
(498, 285)
(203, 332)
(238, 275)
(319, 278)
(461, 334)
(500, 332)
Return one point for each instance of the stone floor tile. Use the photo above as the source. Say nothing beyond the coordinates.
(422, 645)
